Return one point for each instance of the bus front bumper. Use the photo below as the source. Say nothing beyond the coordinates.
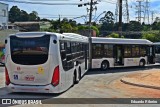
(33, 89)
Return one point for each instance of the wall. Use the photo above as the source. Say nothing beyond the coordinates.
(3, 15)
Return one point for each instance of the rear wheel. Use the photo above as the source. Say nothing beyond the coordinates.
(104, 65)
(142, 63)
(79, 74)
(78, 77)
(74, 78)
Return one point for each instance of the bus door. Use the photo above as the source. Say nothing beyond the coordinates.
(118, 55)
(151, 54)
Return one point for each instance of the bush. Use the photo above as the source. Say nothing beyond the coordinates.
(87, 28)
(48, 30)
(151, 36)
(115, 35)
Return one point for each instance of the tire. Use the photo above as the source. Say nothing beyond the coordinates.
(104, 65)
(74, 79)
(142, 63)
(79, 74)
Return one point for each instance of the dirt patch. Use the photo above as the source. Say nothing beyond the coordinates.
(151, 77)
(146, 78)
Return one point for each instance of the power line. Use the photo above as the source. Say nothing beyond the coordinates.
(49, 0)
(40, 3)
(57, 15)
(146, 12)
(111, 2)
(125, 11)
(140, 10)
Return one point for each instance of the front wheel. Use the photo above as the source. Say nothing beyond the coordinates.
(142, 63)
(104, 65)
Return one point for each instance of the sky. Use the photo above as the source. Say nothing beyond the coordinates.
(73, 11)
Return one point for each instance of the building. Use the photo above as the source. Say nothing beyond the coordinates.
(3, 16)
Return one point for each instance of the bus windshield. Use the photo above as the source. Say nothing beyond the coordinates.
(29, 51)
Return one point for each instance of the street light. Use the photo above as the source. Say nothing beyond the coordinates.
(82, 17)
(99, 16)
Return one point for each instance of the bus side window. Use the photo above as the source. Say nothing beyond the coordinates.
(143, 51)
(63, 51)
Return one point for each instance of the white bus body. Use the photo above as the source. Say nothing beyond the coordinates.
(112, 52)
(157, 52)
(44, 62)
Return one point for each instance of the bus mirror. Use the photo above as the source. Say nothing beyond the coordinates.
(5, 41)
(54, 41)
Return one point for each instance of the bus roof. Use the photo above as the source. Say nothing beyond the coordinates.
(31, 34)
(120, 41)
(156, 43)
(75, 37)
(64, 36)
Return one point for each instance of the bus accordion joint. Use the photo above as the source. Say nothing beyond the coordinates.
(7, 77)
(55, 77)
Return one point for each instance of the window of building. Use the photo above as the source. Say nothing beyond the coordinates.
(4, 13)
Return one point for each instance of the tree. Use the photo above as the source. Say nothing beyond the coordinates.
(23, 16)
(66, 27)
(73, 23)
(135, 26)
(107, 21)
(114, 35)
(33, 16)
(108, 18)
(151, 36)
(82, 27)
(55, 24)
(14, 14)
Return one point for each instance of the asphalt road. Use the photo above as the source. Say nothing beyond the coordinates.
(95, 84)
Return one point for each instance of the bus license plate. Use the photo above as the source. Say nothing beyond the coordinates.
(29, 78)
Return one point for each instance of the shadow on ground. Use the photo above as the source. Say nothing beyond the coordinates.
(121, 69)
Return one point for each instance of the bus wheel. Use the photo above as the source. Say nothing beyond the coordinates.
(142, 63)
(78, 77)
(74, 78)
(79, 74)
(104, 65)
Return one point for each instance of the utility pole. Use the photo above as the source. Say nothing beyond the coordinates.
(120, 18)
(90, 35)
(92, 2)
(125, 11)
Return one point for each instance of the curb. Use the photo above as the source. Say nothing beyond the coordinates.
(139, 85)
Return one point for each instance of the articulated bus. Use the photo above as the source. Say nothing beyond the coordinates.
(157, 52)
(45, 62)
(112, 52)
